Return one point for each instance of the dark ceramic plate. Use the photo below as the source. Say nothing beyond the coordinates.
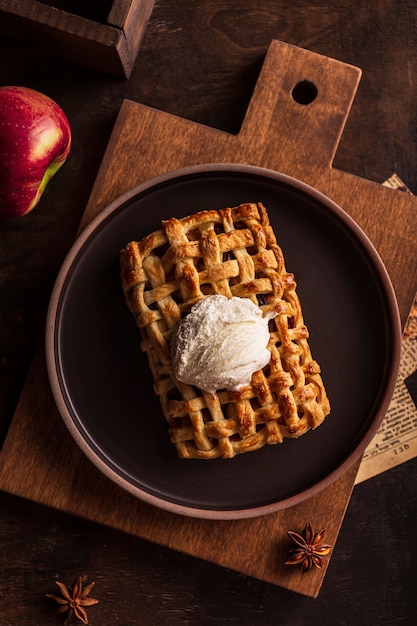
(101, 380)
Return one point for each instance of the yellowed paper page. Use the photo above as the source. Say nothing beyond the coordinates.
(396, 439)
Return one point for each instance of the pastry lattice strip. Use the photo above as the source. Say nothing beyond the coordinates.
(231, 252)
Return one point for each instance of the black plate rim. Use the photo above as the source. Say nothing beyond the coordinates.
(52, 323)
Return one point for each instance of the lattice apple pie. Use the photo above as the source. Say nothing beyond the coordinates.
(223, 330)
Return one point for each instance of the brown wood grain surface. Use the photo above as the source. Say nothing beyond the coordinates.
(105, 36)
(277, 133)
(201, 62)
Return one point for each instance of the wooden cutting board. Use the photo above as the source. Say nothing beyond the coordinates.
(293, 125)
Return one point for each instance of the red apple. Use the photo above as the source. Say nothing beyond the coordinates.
(35, 140)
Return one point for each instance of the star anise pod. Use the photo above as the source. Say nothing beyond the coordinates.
(310, 548)
(74, 599)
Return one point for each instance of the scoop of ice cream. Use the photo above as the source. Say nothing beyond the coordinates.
(220, 343)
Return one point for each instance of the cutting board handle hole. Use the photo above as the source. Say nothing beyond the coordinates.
(304, 92)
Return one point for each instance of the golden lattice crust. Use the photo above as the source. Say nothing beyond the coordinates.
(232, 252)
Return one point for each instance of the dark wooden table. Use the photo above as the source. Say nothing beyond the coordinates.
(200, 61)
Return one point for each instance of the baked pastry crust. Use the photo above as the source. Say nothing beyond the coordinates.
(232, 252)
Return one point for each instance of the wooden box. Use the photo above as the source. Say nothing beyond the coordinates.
(104, 35)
